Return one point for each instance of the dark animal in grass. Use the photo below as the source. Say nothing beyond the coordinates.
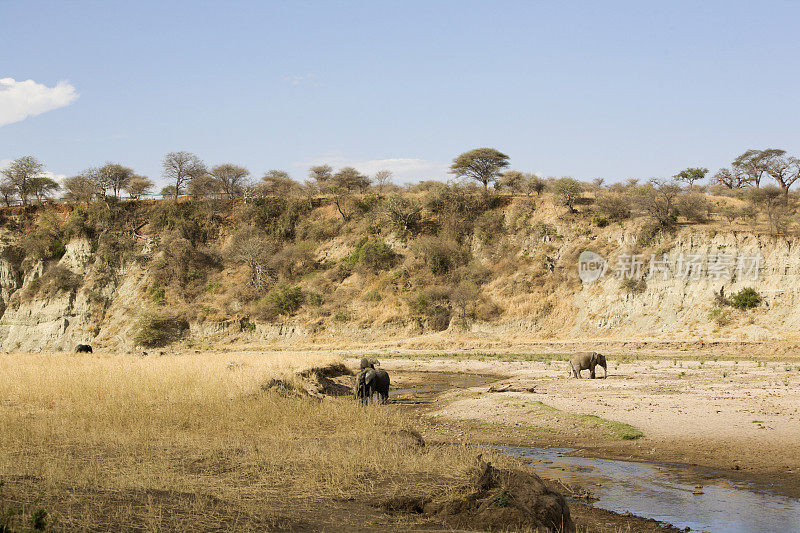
(370, 382)
(378, 383)
(361, 390)
(587, 361)
(83, 348)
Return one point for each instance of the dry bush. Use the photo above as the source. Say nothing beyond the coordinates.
(158, 329)
(195, 443)
(695, 207)
(56, 278)
(615, 205)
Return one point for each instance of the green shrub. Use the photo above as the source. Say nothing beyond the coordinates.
(746, 298)
(599, 220)
(431, 309)
(372, 255)
(442, 255)
(155, 330)
(282, 301)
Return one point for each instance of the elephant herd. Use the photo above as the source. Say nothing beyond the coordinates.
(371, 381)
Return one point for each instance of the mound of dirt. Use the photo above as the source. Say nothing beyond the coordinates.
(502, 500)
(316, 382)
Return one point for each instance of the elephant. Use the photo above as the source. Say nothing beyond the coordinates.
(587, 361)
(378, 382)
(370, 381)
(360, 386)
(369, 362)
(83, 348)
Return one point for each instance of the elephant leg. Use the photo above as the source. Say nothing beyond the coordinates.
(591, 375)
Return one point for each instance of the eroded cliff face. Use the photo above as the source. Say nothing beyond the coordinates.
(101, 307)
(677, 301)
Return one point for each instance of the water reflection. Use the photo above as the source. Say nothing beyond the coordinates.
(669, 493)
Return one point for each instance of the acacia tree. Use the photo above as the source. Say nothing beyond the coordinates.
(138, 186)
(480, 164)
(729, 179)
(567, 191)
(382, 179)
(533, 184)
(181, 168)
(203, 185)
(81, 188)
(277, 183)
(750, 165)
(20, 174)
(43, 187)
(232, 178)
(770, 199)
(342, 185)
(253, 248)
(8, 191)
(320, 173)
(691, 174)
(115, 177)
(511, 180)
(782, 168)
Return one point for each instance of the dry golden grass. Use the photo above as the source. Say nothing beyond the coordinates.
(191, 442)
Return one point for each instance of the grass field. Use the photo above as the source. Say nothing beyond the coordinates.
(193, 442)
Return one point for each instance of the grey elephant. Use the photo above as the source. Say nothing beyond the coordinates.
(361, 391)
(369, 362)
(370, 381)
(378, 382)
(587, 361)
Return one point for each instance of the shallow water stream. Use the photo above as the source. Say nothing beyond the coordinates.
(669, 493)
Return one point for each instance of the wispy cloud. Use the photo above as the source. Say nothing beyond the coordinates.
(22, 99)
(297, 79)
(405, 169)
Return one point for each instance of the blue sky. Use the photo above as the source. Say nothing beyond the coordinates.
(587, 89)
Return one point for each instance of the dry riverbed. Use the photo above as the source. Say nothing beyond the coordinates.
(738, 416)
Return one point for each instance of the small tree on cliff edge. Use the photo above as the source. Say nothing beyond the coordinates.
(480, 164)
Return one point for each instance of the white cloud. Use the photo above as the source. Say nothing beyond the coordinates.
(297, 79)
(22, 99)
(405, 170)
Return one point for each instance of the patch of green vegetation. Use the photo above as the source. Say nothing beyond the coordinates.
(282, 301)
(746, 298)
(617, 430)
(372, 255)
(502, 499)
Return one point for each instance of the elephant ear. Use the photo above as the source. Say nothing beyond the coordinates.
(593, 358)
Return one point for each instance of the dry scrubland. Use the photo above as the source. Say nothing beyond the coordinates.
(191, 442)
(397, 264)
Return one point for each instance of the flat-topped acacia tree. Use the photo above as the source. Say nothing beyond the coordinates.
(480, 164)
